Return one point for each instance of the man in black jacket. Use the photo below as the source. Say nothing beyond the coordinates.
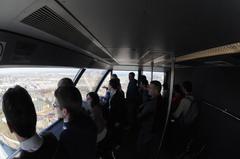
(117, 111)
(78, 139)
(151, 118)
(132, 99)
(21, 119)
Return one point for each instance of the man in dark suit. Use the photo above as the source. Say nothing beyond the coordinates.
(78, 139)
(117, 111)
(21, 119)
(132, 99)
(151, 118)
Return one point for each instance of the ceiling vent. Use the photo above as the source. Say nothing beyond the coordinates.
(47, 20)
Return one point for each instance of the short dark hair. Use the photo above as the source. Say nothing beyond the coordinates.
(157, 84)
(177, 88)
(19, 111)
(143, 78)
(114, 75)
(132, 74)
(65, 82)
(114, 83)
(70, 98)
(187, 85)
(95, 98)
(144, 82)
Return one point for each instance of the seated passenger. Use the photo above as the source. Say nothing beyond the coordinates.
(151, 120)
(21, 118)
(78, 139)
(65, 82)
(97, 115)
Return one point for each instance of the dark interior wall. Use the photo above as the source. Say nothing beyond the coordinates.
(219, 86)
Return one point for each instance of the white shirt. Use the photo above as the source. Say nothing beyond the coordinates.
(112, 93)
(183, 107)
(32, 144)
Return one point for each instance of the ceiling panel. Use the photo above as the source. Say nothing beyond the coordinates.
(128, 29)
(174, 26)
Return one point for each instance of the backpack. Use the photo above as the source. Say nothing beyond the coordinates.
(190, 117)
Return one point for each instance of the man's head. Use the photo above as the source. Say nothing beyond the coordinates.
(65, 82)
(154, 88)
(187, 87)
(131, 76)
(144, 84)
(68, 102)
(113, 84)
(93, 98)
(20, 112)
(113, 76)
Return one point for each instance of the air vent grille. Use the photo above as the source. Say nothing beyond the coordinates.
(45, 19)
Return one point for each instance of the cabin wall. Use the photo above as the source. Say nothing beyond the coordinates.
(219, 86)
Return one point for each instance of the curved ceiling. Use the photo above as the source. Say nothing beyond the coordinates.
(133, 32)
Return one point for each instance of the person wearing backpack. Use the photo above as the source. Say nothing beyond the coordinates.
(185, 117)
(182, 111)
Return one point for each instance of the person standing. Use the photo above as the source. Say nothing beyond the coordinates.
(78, 139)
(21, 118)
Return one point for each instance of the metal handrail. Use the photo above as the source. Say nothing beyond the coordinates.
(225, 111)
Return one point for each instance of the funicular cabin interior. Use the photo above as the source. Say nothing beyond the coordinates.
(170, 41)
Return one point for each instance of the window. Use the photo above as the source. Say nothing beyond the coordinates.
(89, 81)
(123, 76)
(102, 89)
(40, 83)
(159, 76)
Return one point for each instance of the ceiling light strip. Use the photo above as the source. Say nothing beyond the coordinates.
(222, 50)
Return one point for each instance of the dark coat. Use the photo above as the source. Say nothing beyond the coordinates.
(117, 109)
(78, 140)
(132, 91)
(151, 118)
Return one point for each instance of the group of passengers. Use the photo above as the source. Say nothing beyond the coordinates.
(98, 131)
(79, 132)
(141, 110)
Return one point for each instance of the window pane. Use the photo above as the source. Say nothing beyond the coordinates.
(40, 83)
(159, 76)
(89, 81)
(102, 90)
(123, 76)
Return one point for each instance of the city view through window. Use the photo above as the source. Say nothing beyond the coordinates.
(123, 76)
(40, 83)
(89, 81)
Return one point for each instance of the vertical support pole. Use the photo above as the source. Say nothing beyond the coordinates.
(152, 65)
(172, 73)
(139, 74)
